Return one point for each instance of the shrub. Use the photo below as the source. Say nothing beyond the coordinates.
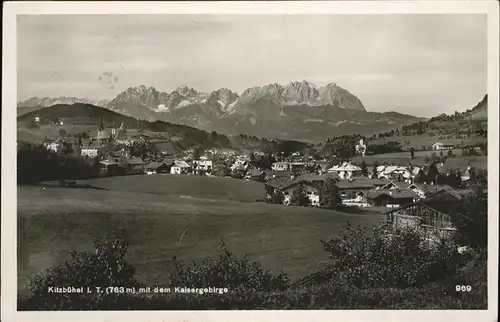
(106, 266)
(252, 287)
(329, 196)
(227, 270)
(300, 198)
(277, 197)
(388, 257)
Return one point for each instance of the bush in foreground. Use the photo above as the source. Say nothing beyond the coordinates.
(369, 270)
(387, 257)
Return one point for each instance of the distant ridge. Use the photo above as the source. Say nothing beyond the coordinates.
(179, 137)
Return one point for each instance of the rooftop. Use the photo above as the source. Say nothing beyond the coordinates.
(396, 194)
(357, 184)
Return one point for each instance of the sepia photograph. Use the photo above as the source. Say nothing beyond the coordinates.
(251, 160)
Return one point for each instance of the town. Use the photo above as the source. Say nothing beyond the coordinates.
(296, 179)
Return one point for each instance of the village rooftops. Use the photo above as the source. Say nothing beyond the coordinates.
(442, 208)
(315, 177)
(135, 161)
(397, 185)
(458, 194)
(344, 167)
(181, 164)
(155, 165)
(358, 184)
(429, 189)
(376, 181)
(396, 194)
(109, 162)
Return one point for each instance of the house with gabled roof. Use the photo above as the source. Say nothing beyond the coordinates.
(110, 168)
(450, 195)
(427, 216)
(135, 165)
(254, 174)
(353, 192)
(180, 167)
(391, 198)
(156, 167)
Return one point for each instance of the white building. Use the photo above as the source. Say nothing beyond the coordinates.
(311, 192)
(441, 146)
(361, 148)
(206, 165)
(345, 170)
(54, 146)
(180, 167)
(279, 166)
(91, 152)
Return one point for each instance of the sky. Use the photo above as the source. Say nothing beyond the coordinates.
(419, 64)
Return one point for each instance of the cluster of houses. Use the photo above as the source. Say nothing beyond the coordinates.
(426, 206)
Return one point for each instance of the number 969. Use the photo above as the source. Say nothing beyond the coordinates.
(463, 288)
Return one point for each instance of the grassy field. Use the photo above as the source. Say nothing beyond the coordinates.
(168, 215)
(185, 185)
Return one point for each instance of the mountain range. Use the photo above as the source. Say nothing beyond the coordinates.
(298, 110)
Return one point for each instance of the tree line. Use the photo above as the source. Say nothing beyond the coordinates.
(35, 163)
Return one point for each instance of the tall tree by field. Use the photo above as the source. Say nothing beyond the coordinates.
(432, 173)
(374, 168)
(329, 196)
(300, 198)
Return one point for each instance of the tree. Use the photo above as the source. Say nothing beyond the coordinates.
(329, 196)
(420, 177)
(253, 160)
(434, 157)
(432, 173)
(277, 197)
(412, 153)
(364, 168)
(374, 169)
(300, 198)
(471, 220)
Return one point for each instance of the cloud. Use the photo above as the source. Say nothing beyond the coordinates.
(108, 80)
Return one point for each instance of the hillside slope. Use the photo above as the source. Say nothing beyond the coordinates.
(86, 118)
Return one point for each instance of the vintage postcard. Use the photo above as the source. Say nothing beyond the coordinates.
(296, 161)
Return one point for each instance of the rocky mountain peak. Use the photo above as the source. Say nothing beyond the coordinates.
(184, 90)
(300, 92)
